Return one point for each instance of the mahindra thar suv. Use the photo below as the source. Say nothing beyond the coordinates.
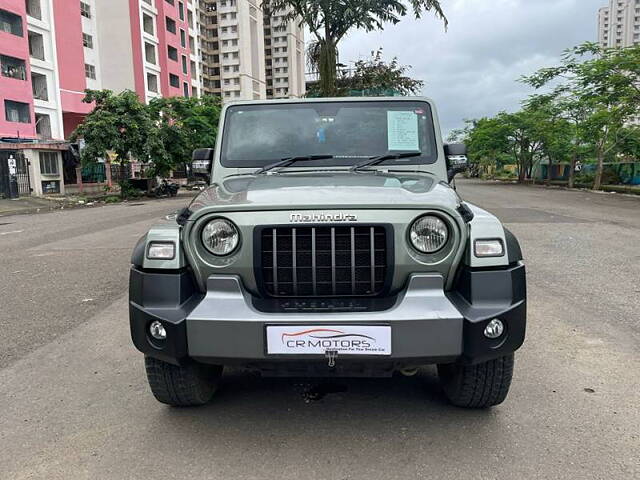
(329, 242)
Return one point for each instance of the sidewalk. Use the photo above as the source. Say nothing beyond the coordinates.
(27, 205)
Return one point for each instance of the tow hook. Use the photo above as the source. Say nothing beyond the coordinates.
(331, 355)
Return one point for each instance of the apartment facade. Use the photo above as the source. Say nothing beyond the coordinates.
(619, 24)
(243, 56)
(51, 51)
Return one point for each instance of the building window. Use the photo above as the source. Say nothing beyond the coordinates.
(185, 89)
(89, 71)
(49, 163)
(170, 2)
(17, 112)
(183, 38)
(192, 44)
(43, 126)
(172, 52)
(87, 40)
(174, 81)
(152, 83)
(85, 10)
(11, 23)
(33, 9)
(181, 11)
(171, 25)
(39, 86)
(147, 24)
(184, 65)
(36, 46)
(150, 53)
(12, 67)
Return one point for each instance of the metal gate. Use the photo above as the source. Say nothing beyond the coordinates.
(14, 163)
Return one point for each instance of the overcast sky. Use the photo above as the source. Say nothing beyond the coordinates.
(471, 70)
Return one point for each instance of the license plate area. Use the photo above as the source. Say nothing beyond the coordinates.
(320, 339)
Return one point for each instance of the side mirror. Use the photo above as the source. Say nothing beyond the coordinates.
(201, 162)
(457, 162)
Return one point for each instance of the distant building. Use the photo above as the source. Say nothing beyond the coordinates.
(619, 24)
(243, 55)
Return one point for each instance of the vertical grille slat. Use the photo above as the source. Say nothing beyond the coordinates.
(333, 260)
(294, 261)
(372, 239)
(353, 260)
(314, 274)
(323, 261)
(274, 247)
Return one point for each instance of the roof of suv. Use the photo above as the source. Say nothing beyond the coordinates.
(328, 99)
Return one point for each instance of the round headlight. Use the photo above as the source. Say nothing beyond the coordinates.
(429, 234)
(220, 236)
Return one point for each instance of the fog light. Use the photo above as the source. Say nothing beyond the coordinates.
(157, 331)
(494, 329)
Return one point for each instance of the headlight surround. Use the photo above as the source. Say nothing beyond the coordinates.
(428, 234)
(220, 237)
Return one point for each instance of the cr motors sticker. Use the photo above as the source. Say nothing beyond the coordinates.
(317, 340)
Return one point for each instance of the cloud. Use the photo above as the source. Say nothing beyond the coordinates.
(472, 69)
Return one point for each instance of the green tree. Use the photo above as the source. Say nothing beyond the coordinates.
(375, 77)
(329, 21)
(120, 124)
(486, 140)
(552, 129)
(183, 124)
(606, 84)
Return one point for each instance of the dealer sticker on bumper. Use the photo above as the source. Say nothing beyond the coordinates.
(317, 340)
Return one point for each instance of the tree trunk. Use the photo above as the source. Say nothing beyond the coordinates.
(521, 170)
(549, 171)
(572, 171)
(597, 182)
(123, 172)
(327, 67)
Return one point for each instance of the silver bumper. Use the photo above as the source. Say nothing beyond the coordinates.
(225, 325)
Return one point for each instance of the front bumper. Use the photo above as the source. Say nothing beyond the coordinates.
(428, 325)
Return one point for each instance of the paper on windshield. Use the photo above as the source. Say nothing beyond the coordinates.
(402, 131)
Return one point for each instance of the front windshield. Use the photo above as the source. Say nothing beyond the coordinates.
(256, 135)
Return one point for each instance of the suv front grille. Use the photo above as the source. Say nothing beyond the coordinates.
(323, 261)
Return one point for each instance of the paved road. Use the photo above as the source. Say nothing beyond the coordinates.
(74, 401)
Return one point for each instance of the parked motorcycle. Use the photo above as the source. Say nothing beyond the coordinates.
(166, 189)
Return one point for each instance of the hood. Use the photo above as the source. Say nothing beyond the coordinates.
(326, 190)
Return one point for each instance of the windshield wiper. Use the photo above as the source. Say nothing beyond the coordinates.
(381, 158)
(285, 162)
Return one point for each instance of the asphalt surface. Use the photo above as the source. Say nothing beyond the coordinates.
(74, 402)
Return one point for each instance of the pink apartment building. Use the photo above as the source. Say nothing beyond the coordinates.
(52, 50)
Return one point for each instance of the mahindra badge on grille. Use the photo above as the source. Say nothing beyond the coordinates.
(322, 217)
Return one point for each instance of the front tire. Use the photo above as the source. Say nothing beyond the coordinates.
(182, 385)
(477, 386)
